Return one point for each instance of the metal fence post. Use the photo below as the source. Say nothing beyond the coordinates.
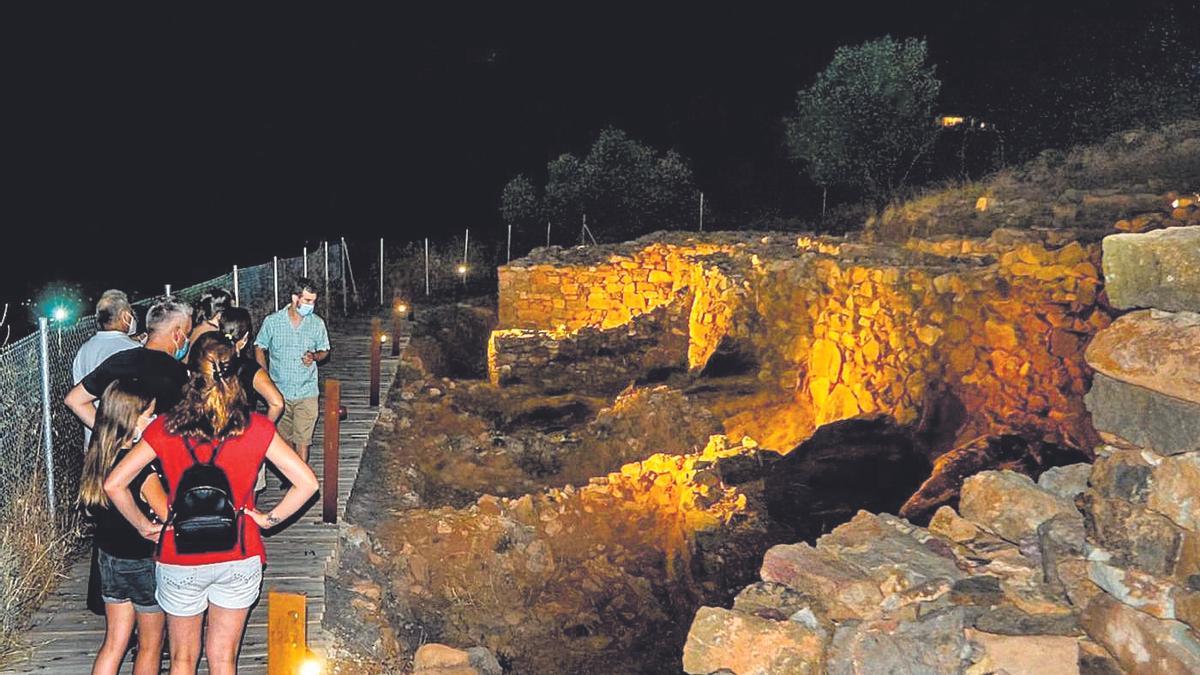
(426, 265)
(167, 289)
(275, 278)
(381, 271)
(345, 308)
(237, 295)
(305, 262)
(47, 422)
(328, 313)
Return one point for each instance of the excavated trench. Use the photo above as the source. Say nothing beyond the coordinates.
(572, 512)
(569, 533)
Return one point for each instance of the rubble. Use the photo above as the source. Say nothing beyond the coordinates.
(1095, 568)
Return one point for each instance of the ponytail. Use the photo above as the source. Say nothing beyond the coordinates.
(214, 404)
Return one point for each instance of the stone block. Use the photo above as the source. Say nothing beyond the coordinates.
(750, 645)
(931, 644)
(1066, 481)
(845, 591)
(1158, 269)
(1140, 642)
(1142, 417)
(946, 523)
(1122, 473)
(892, 557)
(1010, 504)
(1156, 350)
(1131, 535)
(1042, 654)
(1175, 490)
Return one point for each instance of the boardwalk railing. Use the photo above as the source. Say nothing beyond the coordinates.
(39, 437)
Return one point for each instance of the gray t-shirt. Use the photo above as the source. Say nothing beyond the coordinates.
(92, 353)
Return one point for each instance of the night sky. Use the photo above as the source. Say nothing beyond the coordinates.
(163, 145)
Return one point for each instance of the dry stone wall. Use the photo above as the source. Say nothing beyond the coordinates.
(1093, 568)
(838, 327)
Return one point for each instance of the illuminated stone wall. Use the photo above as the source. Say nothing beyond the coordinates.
(590, 359)
(840, 328)
(598, 286)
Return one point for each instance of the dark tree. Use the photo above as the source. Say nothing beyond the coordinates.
(867, 118)
(624, 187)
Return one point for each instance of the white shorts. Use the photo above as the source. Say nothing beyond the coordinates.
(187, 590)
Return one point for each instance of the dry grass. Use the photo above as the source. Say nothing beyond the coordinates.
(35, 545)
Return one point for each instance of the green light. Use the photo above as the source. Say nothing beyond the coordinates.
(60, 313)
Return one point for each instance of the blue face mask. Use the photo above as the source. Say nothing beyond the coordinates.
(182, 351)
(304, 310)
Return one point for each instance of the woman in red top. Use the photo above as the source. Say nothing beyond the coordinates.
(212, 418)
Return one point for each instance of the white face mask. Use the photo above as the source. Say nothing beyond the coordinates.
(133, 327)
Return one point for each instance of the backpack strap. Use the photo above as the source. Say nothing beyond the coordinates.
(212, 461)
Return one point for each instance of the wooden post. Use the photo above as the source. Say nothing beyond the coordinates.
(287, 642)
(397, 317)
(333, 432)
(376, 355)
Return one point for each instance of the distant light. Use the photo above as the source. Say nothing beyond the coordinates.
(60, 313)
(462, 269)
(383, 338)
(401, 307)
(950, 120)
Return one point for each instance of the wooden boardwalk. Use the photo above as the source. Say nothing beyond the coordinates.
(65, 636)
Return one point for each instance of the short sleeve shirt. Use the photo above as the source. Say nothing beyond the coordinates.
(162, 375)
(286, 345)
(240, 458)
(92, 353)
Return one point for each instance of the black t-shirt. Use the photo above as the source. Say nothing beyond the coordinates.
(247, 369)
(162, 375)
(114, 534)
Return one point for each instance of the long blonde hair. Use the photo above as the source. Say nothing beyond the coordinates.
(214, 405)
(122, 402)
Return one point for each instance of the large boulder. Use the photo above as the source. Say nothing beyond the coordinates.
(1042, 654)
(1156, 350)
(750, 645)
(1141, 643)
(1154, 269)
(934, 643)
(1142, 417)
(845, 591)
(1175, 490)
(1010, 504)
(438, 659)
(1133, 536)
(891, 551)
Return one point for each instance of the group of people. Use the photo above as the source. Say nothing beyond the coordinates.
(174, 458)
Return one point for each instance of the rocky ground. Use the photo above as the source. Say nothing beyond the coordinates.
(1095, 568)
(568, 481)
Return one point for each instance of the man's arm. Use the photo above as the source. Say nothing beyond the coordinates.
(262, 343)
(80, 400)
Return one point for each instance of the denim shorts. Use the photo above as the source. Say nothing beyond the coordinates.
(187, 590)
(128, 580)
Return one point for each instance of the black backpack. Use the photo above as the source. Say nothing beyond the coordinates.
(203, 514)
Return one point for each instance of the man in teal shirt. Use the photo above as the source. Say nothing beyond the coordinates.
(289, 345)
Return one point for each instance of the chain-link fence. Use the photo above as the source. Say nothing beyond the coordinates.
(35, 371)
